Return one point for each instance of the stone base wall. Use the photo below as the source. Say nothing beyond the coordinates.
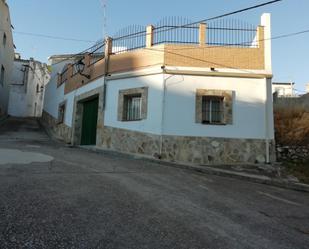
(293, 153)
(197, 150)
(129, 141)
(60, 131)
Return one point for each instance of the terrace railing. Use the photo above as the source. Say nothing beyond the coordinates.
(175, 30)
(231, 33)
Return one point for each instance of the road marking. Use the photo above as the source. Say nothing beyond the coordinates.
(279, 199)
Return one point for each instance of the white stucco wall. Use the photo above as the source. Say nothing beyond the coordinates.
(155, 91)
(6, 55)
(54, 95)
(25, 99)
(249, 106)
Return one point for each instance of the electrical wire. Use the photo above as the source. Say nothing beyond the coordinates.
(48, 36)
(52, 37)
(208, 19)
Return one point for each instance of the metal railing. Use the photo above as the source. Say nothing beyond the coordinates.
(231, 32)
(97, 54)
(223, 32)
(175, 30)
(129, 38)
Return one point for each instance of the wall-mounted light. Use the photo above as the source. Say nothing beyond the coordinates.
(80, 67)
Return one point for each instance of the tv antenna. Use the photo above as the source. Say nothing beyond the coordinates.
(104, 7)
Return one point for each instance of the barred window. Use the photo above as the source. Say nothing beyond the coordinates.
(4, 39)
(132, 104)
(133, 107)
(212, 109)
(61, 112)
(2, 75)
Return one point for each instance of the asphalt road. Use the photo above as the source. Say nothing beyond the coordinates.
(53, 196)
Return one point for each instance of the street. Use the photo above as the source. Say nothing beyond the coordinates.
(55, 196)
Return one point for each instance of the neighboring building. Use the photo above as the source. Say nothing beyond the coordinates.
(6, 55)
(284, 89)
(28, 88)
(178, 98)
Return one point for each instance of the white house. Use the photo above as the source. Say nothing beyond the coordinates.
(6, 55)
(283, 89)
(194, 100)
(27, 88)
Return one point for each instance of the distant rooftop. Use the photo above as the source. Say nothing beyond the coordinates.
(283, 83)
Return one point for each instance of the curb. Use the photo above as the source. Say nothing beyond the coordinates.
(210, 170)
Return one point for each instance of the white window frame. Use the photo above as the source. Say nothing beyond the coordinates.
(133, 107)
(207, 115)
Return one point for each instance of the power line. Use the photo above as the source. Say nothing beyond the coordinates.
(52, 37)
(249, 42)
(47, 36)
(207, 19)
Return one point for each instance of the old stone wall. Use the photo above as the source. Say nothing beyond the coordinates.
(60, 131)
(293, 153)
(197, 150)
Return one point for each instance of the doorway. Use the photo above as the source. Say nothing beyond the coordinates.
(89, 122)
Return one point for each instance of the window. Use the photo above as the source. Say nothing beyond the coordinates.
(133, 107)
(212, 109)
(61, 113)
(2, 76)
(132, 104)
(4, 39)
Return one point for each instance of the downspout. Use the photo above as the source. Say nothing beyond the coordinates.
(162, 112)
(266, 23)
(108, 49)
(267, 151)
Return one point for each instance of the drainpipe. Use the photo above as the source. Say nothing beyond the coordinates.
(267, 109)
(107, 52)
(266, 23)
(162, 112)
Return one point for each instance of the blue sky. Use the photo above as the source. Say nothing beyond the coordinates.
(83, 19)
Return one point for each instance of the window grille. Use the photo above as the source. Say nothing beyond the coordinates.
(212, 109)
(61, 113)
(133, 107)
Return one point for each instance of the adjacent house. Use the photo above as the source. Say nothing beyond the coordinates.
(6, 55)
(27, 88)
(199, 93)
(284, 89)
